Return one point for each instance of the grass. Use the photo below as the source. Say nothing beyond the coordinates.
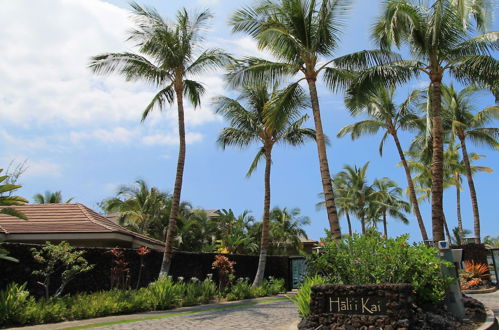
(155, 317)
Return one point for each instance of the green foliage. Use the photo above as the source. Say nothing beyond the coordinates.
(372, 259)
(164, 293)
(56, 257)
(4, 255)
(491, 242)
(12, 302)
(51, 198)
(302, 298)
(18, 308)
(6, 198)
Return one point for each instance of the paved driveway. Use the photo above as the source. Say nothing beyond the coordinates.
(273, 315)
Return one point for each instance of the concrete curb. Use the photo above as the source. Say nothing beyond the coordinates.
(490, 322)
(490, 290)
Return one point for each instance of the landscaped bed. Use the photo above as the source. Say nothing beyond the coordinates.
(374, 282)
(17, 307)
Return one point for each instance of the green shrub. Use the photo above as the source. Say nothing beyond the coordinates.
(208, 290)
(12, 301)
(241, 289)
(372, 259)
(273, 286)
(302, 297)
(164, 293)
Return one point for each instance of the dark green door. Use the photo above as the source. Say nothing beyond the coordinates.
(298, 272)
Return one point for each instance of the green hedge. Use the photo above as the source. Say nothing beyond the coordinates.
(17, 307)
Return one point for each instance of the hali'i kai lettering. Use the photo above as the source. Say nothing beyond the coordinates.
(354, 305)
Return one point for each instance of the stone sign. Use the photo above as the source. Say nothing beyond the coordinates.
(370, 306)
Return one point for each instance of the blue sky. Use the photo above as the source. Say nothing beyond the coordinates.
(81, 133)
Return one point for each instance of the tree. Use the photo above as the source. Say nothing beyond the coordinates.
(270, 116)
(459, 113)
(235, 231)
(286, 230)
(360, 192)
(169, 58)
(438, 35)
(7, 200)
(388, 200)
(59, 257)
(457, 169)
(50, 198)
(383, 114)
(299, 34)
(4, 255)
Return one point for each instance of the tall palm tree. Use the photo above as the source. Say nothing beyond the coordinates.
(388, 201)
(459, 114)
(383, 114)
(7, 200)
(235, 233)
(438, 35)
(300, 34)
(344, 200)
(170, 56)
(51, 198)
(270, 116)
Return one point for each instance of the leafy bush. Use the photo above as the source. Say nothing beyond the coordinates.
(12, 301)
(18, 308)
(273, 286)
(164, 294)
(302, 297)
(241, 289)
(372, 259)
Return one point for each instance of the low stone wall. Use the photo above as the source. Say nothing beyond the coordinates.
(372, 306)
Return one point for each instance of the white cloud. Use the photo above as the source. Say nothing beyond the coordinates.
(113, 135)
(170, 139)
(43, 168)
(45, 50)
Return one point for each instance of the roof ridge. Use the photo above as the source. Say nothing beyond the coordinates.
(4, 230)
(85, 211)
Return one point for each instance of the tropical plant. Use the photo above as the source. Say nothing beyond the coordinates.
(302, 297)
(169, 56)
(360, 192)
(458, 112)
(459, 235)
(51, 198)
(225, 269)
(139, 207)
(438, 34)
(491, 242)
(268, 116)
(299, 34)
(235, 234)
(388, 201)
(373, 259)
(6, 198)
(383, 114)
(4, 254)
(286, 229)
(59, 257)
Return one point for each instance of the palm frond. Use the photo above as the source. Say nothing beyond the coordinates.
(160, 100)
(194, 90)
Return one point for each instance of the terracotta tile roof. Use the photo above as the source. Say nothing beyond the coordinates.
(62, 218)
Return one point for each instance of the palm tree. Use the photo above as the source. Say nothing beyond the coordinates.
(272, 116)
(384, 114)
(299, 34)
(459, 114)
(7, 200)
(438, 35)
(235, 232)
(169, 57)
(286, 229)
(51, 198)
(388, 200)
(138, 206)
(458, 168)
(360, 192)
(344, 200)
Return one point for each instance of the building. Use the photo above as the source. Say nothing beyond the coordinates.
(73, 223)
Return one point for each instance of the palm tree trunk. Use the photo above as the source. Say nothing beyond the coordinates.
(332, 214)
(384, 225)
(471, 185)
(437, 169)
(349, 224)
(412, 191)
(458, 205)
(447, 232)
(172, 221)
(363, 224)
(265, 224)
